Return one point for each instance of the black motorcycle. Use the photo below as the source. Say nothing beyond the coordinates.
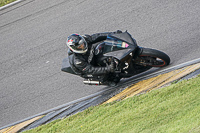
(129, 59)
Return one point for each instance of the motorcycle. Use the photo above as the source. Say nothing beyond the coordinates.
(129, 59)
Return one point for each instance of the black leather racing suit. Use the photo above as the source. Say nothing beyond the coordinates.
(82, 63)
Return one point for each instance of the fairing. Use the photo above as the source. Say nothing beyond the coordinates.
(117, 45)
(66, 66)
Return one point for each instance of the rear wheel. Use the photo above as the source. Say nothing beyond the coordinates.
(152, 57)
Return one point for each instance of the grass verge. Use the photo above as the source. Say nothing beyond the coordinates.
(175, 108)
(4, 2)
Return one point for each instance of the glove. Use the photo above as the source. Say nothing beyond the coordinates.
(118, 31)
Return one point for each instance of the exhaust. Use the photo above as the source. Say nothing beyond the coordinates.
(91, 82)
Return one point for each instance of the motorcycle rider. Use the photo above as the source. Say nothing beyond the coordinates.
(81, 53)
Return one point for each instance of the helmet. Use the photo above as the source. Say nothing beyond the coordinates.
(77, 44)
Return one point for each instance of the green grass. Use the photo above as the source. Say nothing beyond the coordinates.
(172, 109)
(4, 2)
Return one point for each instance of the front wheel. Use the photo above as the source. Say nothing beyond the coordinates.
(152, 57)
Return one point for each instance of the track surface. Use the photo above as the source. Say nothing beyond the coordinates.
(33, 35)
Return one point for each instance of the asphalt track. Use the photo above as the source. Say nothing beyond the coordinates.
(33, 35)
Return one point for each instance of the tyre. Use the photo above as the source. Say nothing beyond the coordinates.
(152, 57)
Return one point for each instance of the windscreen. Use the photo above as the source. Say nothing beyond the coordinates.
(112, 44)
